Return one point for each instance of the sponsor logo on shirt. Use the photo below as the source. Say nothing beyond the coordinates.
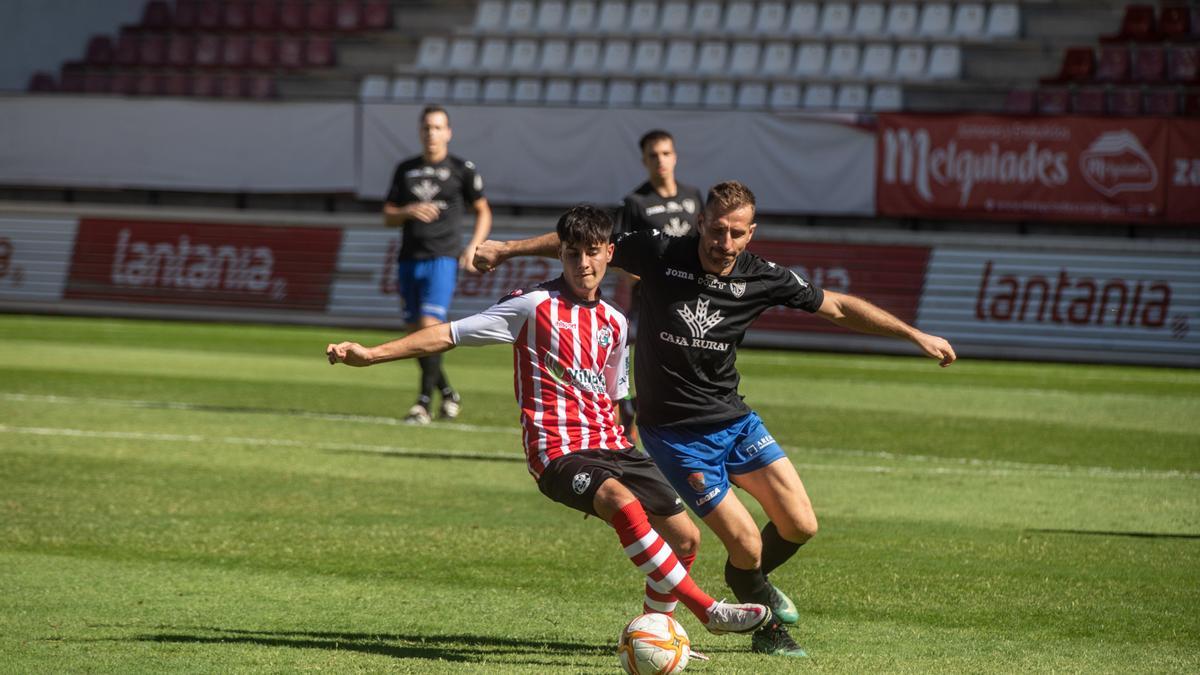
(564, 325)
(699, 320)
(426, 190)
(676, 227)
(671, 272)
(579, 378)
(712, 494)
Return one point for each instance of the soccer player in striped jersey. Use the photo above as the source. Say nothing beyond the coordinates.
(569, 352)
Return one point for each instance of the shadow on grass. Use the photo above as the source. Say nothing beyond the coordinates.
(1108, 533)
(456, 648)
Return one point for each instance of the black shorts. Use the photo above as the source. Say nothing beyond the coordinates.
(574, 478)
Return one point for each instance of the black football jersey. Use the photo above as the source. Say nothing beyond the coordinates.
(645, 209)
(692, 322)
(451, 184)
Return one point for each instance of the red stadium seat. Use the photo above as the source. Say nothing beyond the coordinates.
(123, 83)
(1078, 65)
(97, 82)
(318, 51)
(1183, 64)
(178, 84)
(1136, 26)
(291, 52)
(1191, 103)
(264, 15)
(1125, 101)
(1114, 64)
(42, 82)
(1088, 101)
(1053, 101)
(71, 77)
(236, 15)
(152, 50)
(261, 87)
(100, 51)
(1149, 64)
(377, 15)
(156, 16)
(235, 51)
(348, 17)
(291, 16)
(320, 15)
(209, 15)
(231, 85)
(127, 51)
(1175, 22)
(208, 50)
(264, 51)
(1020, 102)
(151, 84)
(181, 51)
(186, 15)
(204, 84)
(1163, 102)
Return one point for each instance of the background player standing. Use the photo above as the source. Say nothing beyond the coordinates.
(428, 197)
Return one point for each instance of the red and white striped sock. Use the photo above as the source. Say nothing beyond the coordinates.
(664, 603)
(655, 558)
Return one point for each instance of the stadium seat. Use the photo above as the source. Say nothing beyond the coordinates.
(739, 15)
(818, 97)
(156, 16)
(1088, 101)
(404, 88)
(261, 86)
(580, 16)
(868, 20)
(321, 15)
(686, 94)
(784, 96)
(674, 16)
(527, 90)
(643, 16)
(706, 17)
(431, 55)
(41, 82)
(97, 82)
(210, 15)
(681, 55)
(550, 16)
(318, 51)
(264, 50)
(151, 84)
(1183, 64)
(647, 56)
(70, 77)
(231, 85)
(851, 97)
(465, 90)
(935, 20)
(264, 15)
(1003, 21)
(374, 88)
(235, 51)
(653, 94)
(348, 16)
(559, 91)
(1020, 102)
(751, 95)
(777, 58)
(1078, 65)
(843, 61)
(713, 56)
(810, 60)
(291, 16)
(585, 56)
(100, 52)
(969, 20)
(1053, 101)
(902, 20)
(621, 93)
(184, 17)
(611, 17)
(803, 18)
(555, 53)
(1174, 22)
(886, 98)
(1149, 64)
(522, 55)
(204, 85)
(835, 19)
(152, 50)
(1125, 101)
(377, 15)
(877, 62)
(497, 90)
(493, 55)
(178, 84)
(910, 62)
(435, 89)
(1136, 26)
(291, 52)
(770, 20)
(126, 50)
(945, 62)
(123, 83)
(208, 50)
(1190, 105)
(1113, 65)
(718, 94)
(489, 15)
(462, 54)
(1161, 102)
(519, 16)
(589, 92)
(743, 60)
(616, 56)
(181, 51)
(235, 16)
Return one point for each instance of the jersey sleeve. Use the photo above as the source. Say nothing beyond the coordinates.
(791, 289)
(616, 368)
(635, 251)
(472, 183)
(500, 323)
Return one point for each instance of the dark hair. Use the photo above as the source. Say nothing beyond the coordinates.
(653, 136)
(584, 225)
(728, 196)
(430, 109)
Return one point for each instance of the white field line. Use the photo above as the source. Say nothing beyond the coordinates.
(965, 467)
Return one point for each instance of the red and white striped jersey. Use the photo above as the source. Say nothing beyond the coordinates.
(569, 365)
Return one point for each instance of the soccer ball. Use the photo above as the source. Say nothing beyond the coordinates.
(654, 644)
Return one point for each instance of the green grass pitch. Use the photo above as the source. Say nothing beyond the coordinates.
(180, 497)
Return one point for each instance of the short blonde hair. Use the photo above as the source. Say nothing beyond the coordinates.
(729, 196)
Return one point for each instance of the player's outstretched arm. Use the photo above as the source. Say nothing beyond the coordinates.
(858, 314)
(431, 340)
(491, 253)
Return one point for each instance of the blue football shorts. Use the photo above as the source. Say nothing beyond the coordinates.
(697, 460)
(426, 287)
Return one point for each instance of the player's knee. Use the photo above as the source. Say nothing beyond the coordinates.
(687, 543)
(799, 529)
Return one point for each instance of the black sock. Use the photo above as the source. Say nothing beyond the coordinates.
(431, 367)
(448, 394)
(775, 549)
(748, 585)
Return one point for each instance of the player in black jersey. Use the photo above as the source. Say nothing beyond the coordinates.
(428, 197)
(661, 203)
(699, 294)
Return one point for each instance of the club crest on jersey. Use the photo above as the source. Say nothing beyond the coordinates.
(580, 483)
(443, 173)
(696, 480)
(738, 288)
(689, 205)
(604, 337)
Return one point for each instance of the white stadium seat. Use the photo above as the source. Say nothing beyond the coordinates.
(706, 17)
(617, 55)
(784, 95)
(712, 59)
(674, 16)
(520, 15)
(868, 19)
(612, 17)
(523, 55)
(493, 55)
(777, 58)
(462, 54)
(585, 56)
(622, 93)
(681, 55)
(581, 15)
(405, 88)
(643, 16)
(752, 95)
(589, 92)
(1004, 20)
(465, 90)
(373, 88)
(835, 18)
(802, 20)
(718, 94)
(497, 90)
(435, 89)
(527, 90)
(968, 20)
(431, 55)
(550, 16)
(489, 15)
(554, 56)
(877, 62)
(886, 98)
(902, 20)
(744, 58)
(686, 94)
(559, 91)
(818, 96)
(935, 20)
(843, 60)
(810, 60)
(771, 18)
(945, 62)
(738, 17)
(852, 97)
(647, 56)
(653, 93)
(910, 62)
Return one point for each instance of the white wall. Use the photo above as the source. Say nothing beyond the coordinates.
(41, 34)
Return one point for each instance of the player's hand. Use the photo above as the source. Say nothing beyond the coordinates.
(349, 353)
(466, 261)
(488, 255)
(426, 212)
(937, 348)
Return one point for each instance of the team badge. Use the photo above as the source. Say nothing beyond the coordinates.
(689, 205)
(604, 337)
(738, 288)
(580, 483)
(696, 480)
(443, 173)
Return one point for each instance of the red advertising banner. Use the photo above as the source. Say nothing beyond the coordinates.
(1183, 166)
(1040, 168)
(209, 264)
(889, 276)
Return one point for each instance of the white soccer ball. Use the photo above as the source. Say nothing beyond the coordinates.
(654, 644)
